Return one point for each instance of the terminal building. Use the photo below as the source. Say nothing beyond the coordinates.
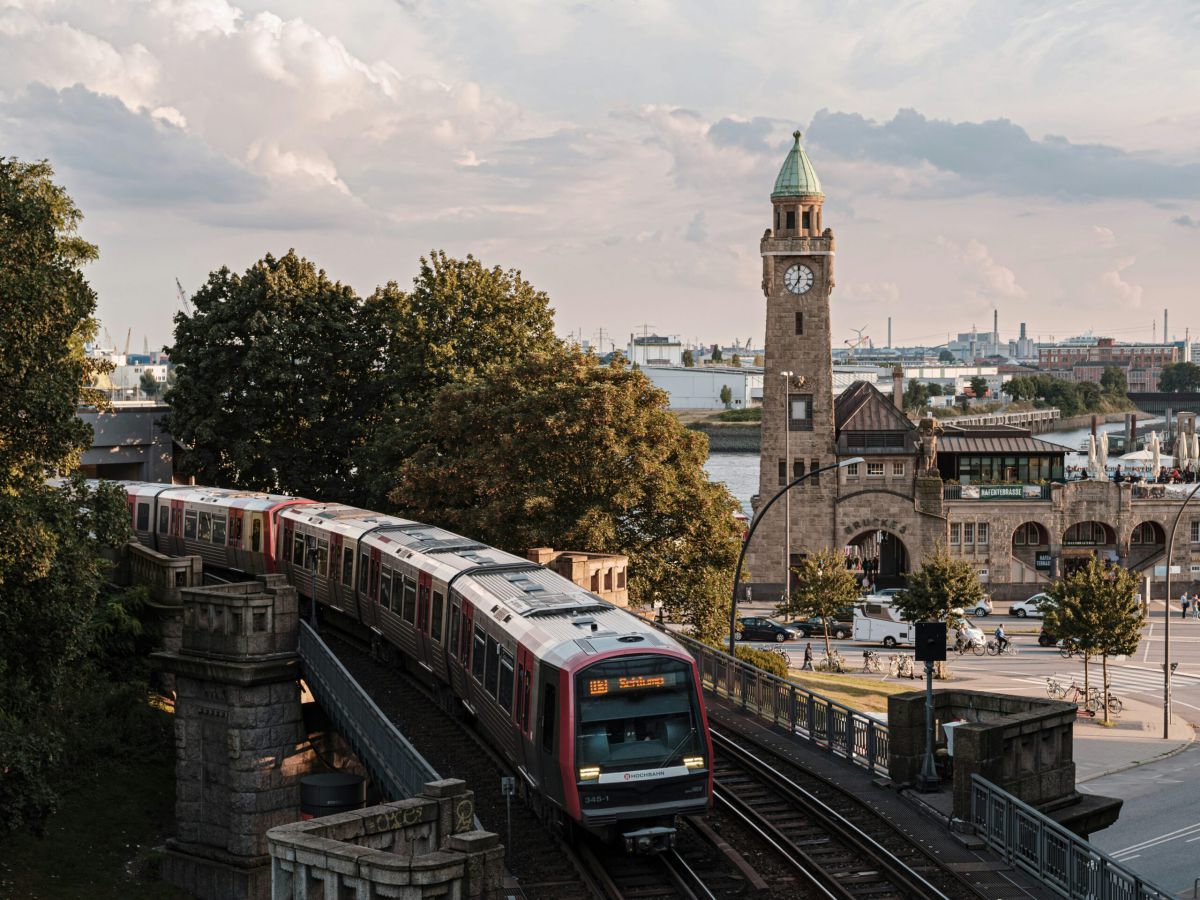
(993, 495)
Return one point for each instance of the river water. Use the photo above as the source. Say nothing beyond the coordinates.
(739, 471)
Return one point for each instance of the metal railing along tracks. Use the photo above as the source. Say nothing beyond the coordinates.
(1060, 859)
(397, 766)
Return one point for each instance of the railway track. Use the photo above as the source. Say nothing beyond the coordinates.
(667, 876)
(825, 849)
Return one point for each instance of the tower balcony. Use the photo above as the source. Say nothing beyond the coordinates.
(797, 246)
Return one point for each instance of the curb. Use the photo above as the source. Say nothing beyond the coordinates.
(1174, 751)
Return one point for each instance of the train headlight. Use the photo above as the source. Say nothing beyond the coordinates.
(694, 762)
(589, 773)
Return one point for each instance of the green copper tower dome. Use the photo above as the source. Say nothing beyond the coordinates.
(797, 177)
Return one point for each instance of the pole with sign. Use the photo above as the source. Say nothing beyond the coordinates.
(931, 648)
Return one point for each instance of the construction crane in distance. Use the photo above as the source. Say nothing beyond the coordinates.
(128, 338)
(856, 343)
(187, 307)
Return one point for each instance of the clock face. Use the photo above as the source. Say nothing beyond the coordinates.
(798, 279)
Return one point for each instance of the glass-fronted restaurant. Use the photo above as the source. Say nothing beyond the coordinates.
(998, 455)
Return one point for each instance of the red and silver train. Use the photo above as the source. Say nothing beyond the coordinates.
(601, 714)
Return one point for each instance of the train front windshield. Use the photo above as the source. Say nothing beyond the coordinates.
(635, 713)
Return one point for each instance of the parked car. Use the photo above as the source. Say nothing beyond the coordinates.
(1047, 638)
(760, 628)
(815, 626)
(1034, 606)
(983, 607)
(971, 633)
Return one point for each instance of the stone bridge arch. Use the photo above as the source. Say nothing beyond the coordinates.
(1144, 542)
(1031, 547)
(881, 554)
(1085, 539)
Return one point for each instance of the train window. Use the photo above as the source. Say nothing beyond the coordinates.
(205, 526)
(164, 518)
(410, 600)
(175, 521)
(477, 657)
(454, 629)
(189, 524)
(549, 709)
(374, 582)
(464, 644)
(322, 557)
(520, 692)
(385, 588)
(143, 517)
(362, 573)
(435, 626)
(506, 680)
(347, 566)
(334, 559)
(218, 534)
(423, 607)
(298, 550)
(489, 676)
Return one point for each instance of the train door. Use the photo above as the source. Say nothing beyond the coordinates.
(256, 543)
(523, 717)
(237, 550)
(548, 743)
(336, 592)
(131, 505)
(285, 555)
(175, 544)
(424, 600)
(372, 604)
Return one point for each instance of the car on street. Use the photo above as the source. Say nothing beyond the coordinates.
(760, 628)
(983, 607)
(888, 595)
(1034, 606)
(815, 626)
(970, 633)
(1047, 638)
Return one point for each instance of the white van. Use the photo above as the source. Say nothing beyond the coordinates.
(879, 623)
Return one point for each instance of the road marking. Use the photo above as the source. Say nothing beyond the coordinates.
(1149, 638)
(1161, 839)
(1177, 674)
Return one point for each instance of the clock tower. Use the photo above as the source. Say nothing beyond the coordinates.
(798, 416)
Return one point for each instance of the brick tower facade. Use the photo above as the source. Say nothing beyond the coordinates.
(798, 413)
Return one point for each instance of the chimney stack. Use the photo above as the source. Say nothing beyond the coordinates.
(1166, 334)
(1022, 331)
(995, 326)
(898, 387)
(889, 332)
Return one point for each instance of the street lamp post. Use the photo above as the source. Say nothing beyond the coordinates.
(787, 501)
(1167, 608)
(737, 575)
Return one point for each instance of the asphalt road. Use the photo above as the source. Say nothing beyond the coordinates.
(1159, 829)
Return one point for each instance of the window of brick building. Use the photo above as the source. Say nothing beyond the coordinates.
(981, 533)
(852, 470)
(783, 479)
(800, 412)
(875, 470)
(955, 534)
(790, 219)
(799, 323)
(897, 468)
(968, 533)
(813, 465)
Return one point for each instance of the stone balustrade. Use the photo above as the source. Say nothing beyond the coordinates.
(422, 847)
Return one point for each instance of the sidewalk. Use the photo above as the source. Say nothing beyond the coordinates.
(1134, 739)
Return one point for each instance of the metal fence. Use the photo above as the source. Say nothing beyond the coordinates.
(1061, 860)
(839, 729)
(392, 761)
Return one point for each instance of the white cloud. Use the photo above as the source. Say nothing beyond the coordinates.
(1128, 293)
(1104, 235)
(989, 279)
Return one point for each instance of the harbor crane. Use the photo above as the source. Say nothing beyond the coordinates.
(856, 343)
(187, 307)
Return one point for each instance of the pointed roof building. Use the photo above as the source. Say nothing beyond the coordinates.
(797, 177)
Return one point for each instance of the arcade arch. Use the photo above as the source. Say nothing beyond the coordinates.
(881, 555)
(1084, 540)
(1031, 559)
(1147, 541)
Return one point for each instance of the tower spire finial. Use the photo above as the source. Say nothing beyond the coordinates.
(797, 134)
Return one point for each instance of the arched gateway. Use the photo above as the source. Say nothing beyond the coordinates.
(881, 555)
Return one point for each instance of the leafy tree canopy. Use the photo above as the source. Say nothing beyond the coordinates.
(1180, 376)
(51, 568)
(556, 449)
(824, 587)
(149, 384)
(916, 395)
(979, 387)
(271, 371)
(942, 584)
(1114, 382)
(945, 356)
(689, 359)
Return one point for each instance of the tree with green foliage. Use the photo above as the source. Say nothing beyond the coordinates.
(1090, 394)
(556, 449)
(941, 585)
(149, 384)
(1096, 609)
(1179, 376)
(1020, 388)
(979, 387)
(272, 373)
(945, 356)
(736, 361)
(916, 395)
(824, 587)
(716, 353)
(1113, 382)
(689, 359)
(933, 389)
(726, 396)
(51, 538)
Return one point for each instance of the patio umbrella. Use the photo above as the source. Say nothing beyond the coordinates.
(1091, 465)
(1103, 455)
(1155, 454)
(1183, 449)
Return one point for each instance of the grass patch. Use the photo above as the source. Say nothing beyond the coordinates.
(868, 694)
(747, 414)
(100, 844)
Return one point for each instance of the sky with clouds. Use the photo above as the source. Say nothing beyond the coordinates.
(1039, 158)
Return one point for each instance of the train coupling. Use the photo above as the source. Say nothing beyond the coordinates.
(649, 840)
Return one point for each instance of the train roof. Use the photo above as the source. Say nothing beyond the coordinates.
(227, 497)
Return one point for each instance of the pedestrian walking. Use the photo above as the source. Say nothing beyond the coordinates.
(1195, 609)
(808, 663)
(1183, 605)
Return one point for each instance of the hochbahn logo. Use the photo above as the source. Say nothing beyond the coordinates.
(654, 773)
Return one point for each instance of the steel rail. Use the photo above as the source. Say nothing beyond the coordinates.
(903, 876)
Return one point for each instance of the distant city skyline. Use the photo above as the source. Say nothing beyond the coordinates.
(1042, 160)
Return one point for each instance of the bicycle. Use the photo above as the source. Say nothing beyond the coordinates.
(1096, 701)
(966, 647)
(872, 662)
(1066, 649)
(900, 666)
(1055, 690)
(834, 662)
(781, 653)
(993, 649)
